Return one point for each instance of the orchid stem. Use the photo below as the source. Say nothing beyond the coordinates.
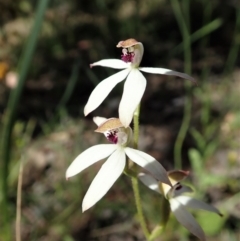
(139, 207)
(135, 179)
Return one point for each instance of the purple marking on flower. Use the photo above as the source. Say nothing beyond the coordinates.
(127, 57)
(112, 136)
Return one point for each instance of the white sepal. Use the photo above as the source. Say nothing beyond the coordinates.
(166, 72)
(149, 163)
(149, 181)
(98, 120)
(102, 90)
(89, 157)
(111, 63)
(134, 88)
(190, 202)
(186, 219)
(105, 178)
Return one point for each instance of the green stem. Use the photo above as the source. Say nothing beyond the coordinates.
(139, 207)
(187, 68)
(135, 179)
(11, 110)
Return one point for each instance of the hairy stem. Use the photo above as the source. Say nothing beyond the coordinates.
(135, 179)
(139, 207)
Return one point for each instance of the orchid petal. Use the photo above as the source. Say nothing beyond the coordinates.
(196, 204)
(149, 163)
(89, 157)
(167, 72)
(149, 181)
(98, 120)
(186, 219)
(102, 90)
(111, 63)
(106, 177)
(134, 88)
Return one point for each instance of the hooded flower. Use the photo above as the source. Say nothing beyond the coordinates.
(116, 152)
(135, 84)
(178, 201)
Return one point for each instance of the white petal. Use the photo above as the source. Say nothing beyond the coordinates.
(196, 204)
(107, 175)
(149, 163)
(167, 72)
(149, 181)
(99, 120)
(134, 88)
(111, 63)
(186, 219)
(89, 157)
(102, 90)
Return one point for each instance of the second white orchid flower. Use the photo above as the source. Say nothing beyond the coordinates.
(135, 84)
(178, 201)
(115, 164)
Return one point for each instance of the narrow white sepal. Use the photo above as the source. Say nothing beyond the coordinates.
(134, 88)
(106, 177)
(196, 204)
(99, 120)
(167, 72)
(149, 163)
(186, 219)
(149, 181)
(102, 90)
(89, 157)
(111, 63)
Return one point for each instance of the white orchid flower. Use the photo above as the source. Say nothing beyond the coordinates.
(115, 164)
(135, 84)
(178, 202)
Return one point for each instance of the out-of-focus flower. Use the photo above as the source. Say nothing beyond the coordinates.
(178, 201)
(11, 79)
(116, 152)
(135, 84)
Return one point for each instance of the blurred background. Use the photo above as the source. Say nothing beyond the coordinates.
(46, 47)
